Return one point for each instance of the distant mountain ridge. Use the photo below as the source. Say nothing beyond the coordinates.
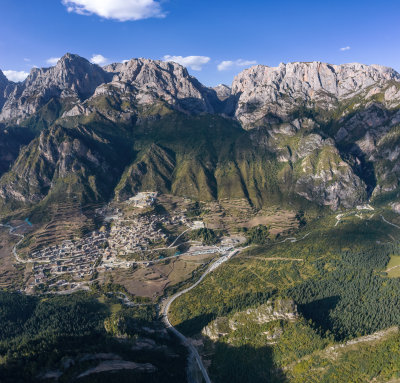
(278, 90)
(76, 79)
(327, 134)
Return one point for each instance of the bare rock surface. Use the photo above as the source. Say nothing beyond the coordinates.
(223, 91)
(73, 79)
(3, 85)
(268, 92)
(169, 81)
(281, 309)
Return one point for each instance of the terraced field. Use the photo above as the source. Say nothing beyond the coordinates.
(67, 220)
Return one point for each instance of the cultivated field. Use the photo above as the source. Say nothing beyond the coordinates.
(152, 280)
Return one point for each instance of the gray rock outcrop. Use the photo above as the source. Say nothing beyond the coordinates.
(3, 85)
(72, 80)
(273, 310)
(154, 80)
(223, 91)
(267, 93)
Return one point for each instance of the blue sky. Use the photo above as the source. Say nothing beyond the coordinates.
(224, 36)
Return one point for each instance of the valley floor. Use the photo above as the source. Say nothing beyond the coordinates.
(311, 298)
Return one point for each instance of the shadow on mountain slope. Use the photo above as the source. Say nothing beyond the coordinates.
(244, 364)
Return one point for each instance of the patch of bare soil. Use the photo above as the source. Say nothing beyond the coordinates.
(151, 281)
(277, 221)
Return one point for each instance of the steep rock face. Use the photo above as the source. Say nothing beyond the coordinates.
(311, 163)
(385, 153)
(269, 94)
(167, 81)
(277, 310)
(223, 91)
(11, 141)
(3, 80)
(72, 80)
(373, 120)
(3, 85)
(227, 102)
(355, 105)
(328, 180)
(323, 176)
(60, 161)
(140, 87)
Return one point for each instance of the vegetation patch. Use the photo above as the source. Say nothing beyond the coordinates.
(340, 289)
(393, 267)
(207, 236)
(258, 235)
(68, 335)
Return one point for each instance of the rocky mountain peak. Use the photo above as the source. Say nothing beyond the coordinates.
(73, 79)
(3, 80)
(141, 70)
(262, 90)
(72, 72)
(339, 80)
(167, 81)
(71, 58)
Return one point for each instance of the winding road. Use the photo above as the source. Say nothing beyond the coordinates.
(180, 235)
(293, 240)
(389, 223)
(167, 304)
(14, 250)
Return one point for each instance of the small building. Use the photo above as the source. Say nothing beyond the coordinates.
(144, 199)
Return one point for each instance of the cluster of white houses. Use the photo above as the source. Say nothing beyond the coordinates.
(77, 258)
(74, 262)
(136, 234)
(140, 233)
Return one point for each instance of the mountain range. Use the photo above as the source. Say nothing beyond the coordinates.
(307, 132)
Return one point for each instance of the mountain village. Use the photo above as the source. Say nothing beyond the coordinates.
(126, 240)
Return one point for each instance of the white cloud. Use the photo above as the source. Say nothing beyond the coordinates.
(53, 60)
(16, 76)
(345, 48)
(225, 65)
(193, 62)
(27, 60)
(99, 60)
(121, 10)
(228, 64)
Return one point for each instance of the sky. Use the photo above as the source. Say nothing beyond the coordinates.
(215, 39)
